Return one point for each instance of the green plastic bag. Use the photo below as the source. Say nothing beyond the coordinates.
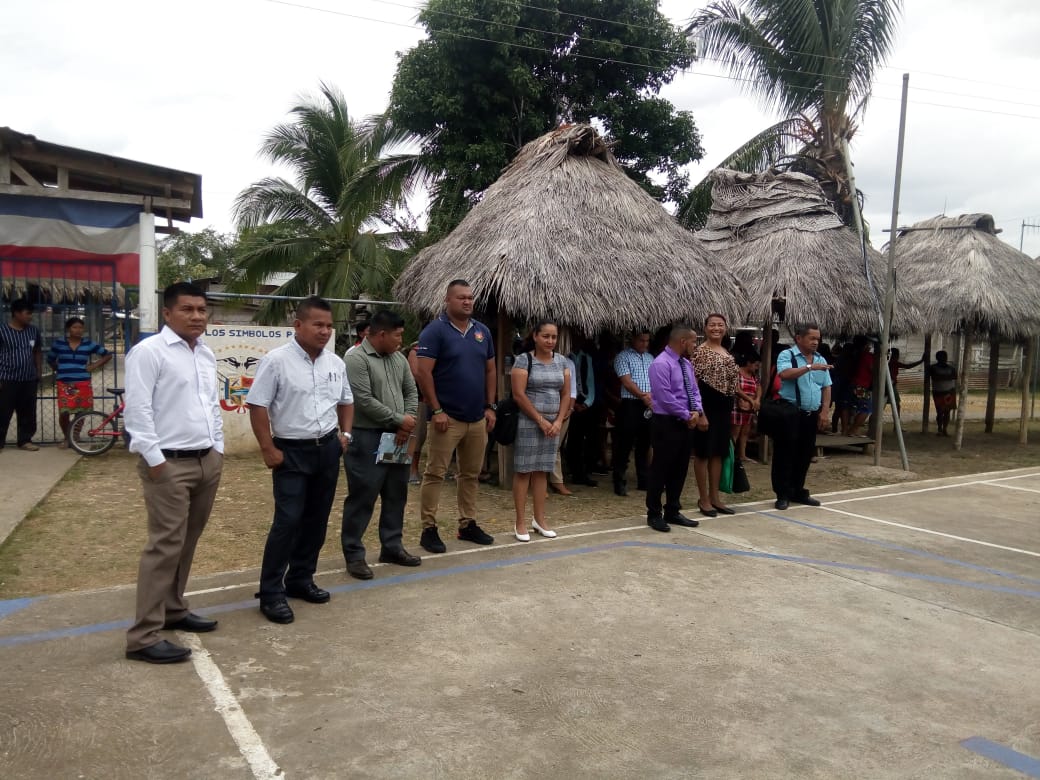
(726, 478)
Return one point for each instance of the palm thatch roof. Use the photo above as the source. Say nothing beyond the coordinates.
(62, 291)
(782, 239)
(565, 234)
(964, 276)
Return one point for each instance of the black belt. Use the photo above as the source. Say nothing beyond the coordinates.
(315, 442)
(175, 454)
(374, 430)
(672, 418)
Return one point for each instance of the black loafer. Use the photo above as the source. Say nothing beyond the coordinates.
(683, 520)
(359, 570)
(160, 653)
(277, 611)
(807, 500)
(658, 524)
(781, 504)
(309, 592)
(399, 557)
(723, 510)
(193, 623)
(707, 512)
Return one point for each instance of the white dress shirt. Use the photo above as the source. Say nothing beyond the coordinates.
(574, 378)
(301, 395)
(171, 397)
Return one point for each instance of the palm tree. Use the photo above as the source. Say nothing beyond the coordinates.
(336, 227)
(811, 60)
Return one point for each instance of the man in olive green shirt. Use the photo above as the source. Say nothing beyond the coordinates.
(385, 401)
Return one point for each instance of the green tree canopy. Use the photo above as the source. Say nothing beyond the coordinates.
(812, 60)
(493, 75)
(203, 255)
(335, 226)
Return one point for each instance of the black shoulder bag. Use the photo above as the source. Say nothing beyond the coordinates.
(778, 417)
(507, 418)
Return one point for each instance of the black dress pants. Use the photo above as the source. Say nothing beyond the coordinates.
(792, 455)
(18, 398)
(367, 481)
(672, 441)
(304, 489)
(583, 443)
(631, 431)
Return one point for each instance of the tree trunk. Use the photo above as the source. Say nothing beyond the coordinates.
(962, 388)
(991, 380)
(1027, 372)
(766, 373)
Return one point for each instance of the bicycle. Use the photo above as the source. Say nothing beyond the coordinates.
(93, 432)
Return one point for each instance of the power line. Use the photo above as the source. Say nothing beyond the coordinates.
(577, 55)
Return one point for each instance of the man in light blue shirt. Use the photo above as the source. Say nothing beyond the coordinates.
(806, 382)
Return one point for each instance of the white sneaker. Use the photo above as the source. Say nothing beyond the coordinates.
(543, 531)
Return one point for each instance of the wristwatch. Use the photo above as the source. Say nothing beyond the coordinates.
(350, 436)
(492, 407)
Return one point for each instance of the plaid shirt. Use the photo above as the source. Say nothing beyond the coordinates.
(631, 363)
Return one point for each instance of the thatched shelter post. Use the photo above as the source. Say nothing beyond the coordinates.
(503, 349)
(766, 370)
(991, 379)
(926, 401)
(1028, 354)
(962, 387)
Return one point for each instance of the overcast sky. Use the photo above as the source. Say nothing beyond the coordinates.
(194, 85)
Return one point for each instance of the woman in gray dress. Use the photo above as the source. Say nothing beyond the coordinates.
(541, 381)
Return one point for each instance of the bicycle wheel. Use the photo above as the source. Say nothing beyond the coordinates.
(89, 434)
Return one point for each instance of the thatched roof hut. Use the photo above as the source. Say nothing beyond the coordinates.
(782, 239)
(966, 277)
(564, 233)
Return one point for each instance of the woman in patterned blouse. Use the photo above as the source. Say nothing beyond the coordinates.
(719, 381)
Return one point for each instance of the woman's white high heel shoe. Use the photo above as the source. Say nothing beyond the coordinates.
(543, 531)
(521, 537)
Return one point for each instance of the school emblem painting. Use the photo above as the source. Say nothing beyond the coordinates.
(236, 367)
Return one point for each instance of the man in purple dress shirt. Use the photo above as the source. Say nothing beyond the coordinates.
(676, 404)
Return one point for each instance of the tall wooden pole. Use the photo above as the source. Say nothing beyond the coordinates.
(767, 373)
(926, 401)
(1027, 373)
(991, 380)
(962, 387)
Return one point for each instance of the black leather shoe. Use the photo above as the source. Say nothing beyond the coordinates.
(587, 482)
(600, 470)
(683, 520)
(620, 489)
(192, 622)
(309, 592)
(723, 510)
(781, 504)
(431, 541)
(707, 512)
(658, 524)
(160, 653)
(807, 500)
(277, 611)
(400, 557)
(359, 570)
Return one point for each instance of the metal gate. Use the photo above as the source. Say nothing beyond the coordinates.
(92, 295)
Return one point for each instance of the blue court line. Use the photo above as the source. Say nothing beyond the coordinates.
(63, 633)
(901, 548)
(1002, 754)
(10, 606)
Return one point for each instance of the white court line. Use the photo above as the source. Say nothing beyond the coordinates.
(930, 531)
(453, 553)
(929, 489)
(994, 483)
(249, 743)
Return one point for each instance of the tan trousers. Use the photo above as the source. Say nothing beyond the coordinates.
(178, 504)
(557, 472)
(469, 441)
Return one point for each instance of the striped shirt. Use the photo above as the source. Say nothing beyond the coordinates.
(636, 365)
(17, 348)
(71, 364)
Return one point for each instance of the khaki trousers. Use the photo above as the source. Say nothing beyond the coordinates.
(557, 472)
(469, 441)
(178, 504)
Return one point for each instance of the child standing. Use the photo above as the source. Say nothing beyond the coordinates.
(744, 410)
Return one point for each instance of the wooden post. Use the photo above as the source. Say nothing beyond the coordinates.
(766, 374)
(991, 380)
(962, 387)
(926, 401)
(1027, 373)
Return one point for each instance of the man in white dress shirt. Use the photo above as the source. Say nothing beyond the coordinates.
(301, 410)
(173, 418)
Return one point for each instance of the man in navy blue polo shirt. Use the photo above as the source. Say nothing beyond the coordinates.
(456, 375)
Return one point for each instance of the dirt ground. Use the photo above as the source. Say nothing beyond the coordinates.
(89, 531)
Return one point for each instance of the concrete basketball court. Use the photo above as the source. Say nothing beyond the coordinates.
(893, 633)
